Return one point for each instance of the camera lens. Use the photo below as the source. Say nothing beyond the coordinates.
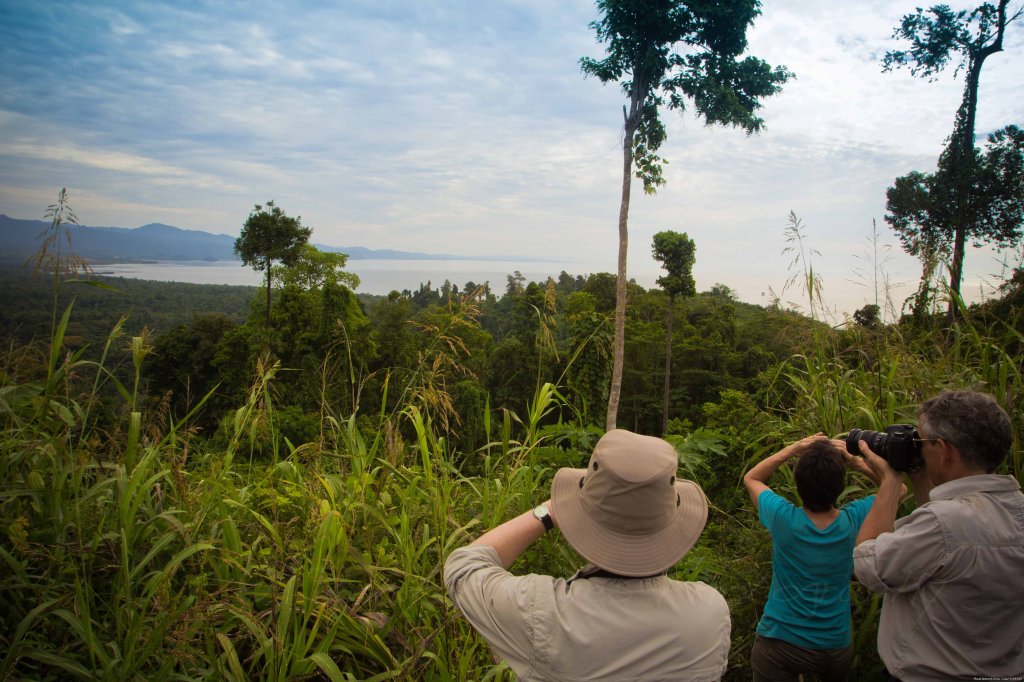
(876, 440)
(897, 445)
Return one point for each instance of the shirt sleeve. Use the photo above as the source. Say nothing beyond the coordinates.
(859, 509)
(770, 507)
(499, 605)
(903, 560)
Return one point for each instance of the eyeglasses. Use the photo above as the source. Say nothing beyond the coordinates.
(919, 441)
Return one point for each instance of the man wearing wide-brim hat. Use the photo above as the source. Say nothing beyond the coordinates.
(621, 617)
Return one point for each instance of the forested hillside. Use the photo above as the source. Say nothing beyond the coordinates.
(502, 343)
(100, 303)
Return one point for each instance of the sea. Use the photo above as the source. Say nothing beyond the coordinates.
(376, 276)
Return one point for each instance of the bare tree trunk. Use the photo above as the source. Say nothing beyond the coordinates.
(638, 94)
(619, 342)
(668, 367)
(268, 294)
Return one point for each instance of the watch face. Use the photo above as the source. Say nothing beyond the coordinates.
(541, 513)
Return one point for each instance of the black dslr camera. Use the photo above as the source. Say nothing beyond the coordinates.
(899, 445)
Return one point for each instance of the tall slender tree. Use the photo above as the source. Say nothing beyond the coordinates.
(270, 235)
(673, 53)
(676, 252)
(938, 36)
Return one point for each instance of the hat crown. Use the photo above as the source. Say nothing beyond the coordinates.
(626, 512)
(629, 486)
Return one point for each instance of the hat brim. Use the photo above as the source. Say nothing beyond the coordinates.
(631, 554)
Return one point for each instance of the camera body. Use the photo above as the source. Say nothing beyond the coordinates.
(898, 444)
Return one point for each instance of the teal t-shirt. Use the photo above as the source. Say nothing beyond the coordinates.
(809, 600)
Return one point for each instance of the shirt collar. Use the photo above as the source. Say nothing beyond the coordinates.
(981, 483)
(592, 571)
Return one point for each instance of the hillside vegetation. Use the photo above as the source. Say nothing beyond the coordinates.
(188, 494)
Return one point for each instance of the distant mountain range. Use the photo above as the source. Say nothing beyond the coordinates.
(19, 239)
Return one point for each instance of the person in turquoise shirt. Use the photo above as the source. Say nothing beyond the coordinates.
(805, 627)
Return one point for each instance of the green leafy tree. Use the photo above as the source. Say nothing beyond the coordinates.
(182, 364)
(938, 36)
(706, 357)
(516, 283)
(640, 410)
(723, 292)
(643, 365)
(588, 347)
(676, 252)
(424, 297)
(321, 329)
(868, 317)
(235, 360)
(315, 269)
(393, 333)
(602, 286)
(270, 235)
(642, 38)
(931, 219)
(510, 376)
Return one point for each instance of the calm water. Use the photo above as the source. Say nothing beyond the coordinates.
(377, 276)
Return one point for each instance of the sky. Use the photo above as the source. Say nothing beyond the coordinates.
(466, 127)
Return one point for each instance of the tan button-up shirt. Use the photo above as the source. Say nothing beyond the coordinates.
(588, 629)
(953, 577)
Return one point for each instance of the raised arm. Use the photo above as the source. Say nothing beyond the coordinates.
(756, 480)
(882, 516)
(511, 538)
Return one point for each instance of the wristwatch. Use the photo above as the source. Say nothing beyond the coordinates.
(541, 513)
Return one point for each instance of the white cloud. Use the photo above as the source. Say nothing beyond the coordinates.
(107, 160)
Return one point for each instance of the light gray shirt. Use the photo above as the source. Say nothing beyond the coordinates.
(953, 577)
(591, 628)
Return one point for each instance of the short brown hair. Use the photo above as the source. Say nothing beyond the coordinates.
(820, 475)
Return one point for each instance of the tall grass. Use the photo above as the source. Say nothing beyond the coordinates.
(132, 552)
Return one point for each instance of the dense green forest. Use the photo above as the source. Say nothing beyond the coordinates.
(500, 345)
(191, 494)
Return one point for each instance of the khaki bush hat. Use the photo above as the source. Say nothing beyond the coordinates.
(627, 512)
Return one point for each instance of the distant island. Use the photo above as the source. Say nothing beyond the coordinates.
(19, 239)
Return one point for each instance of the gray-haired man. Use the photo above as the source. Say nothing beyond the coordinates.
(951, 570)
